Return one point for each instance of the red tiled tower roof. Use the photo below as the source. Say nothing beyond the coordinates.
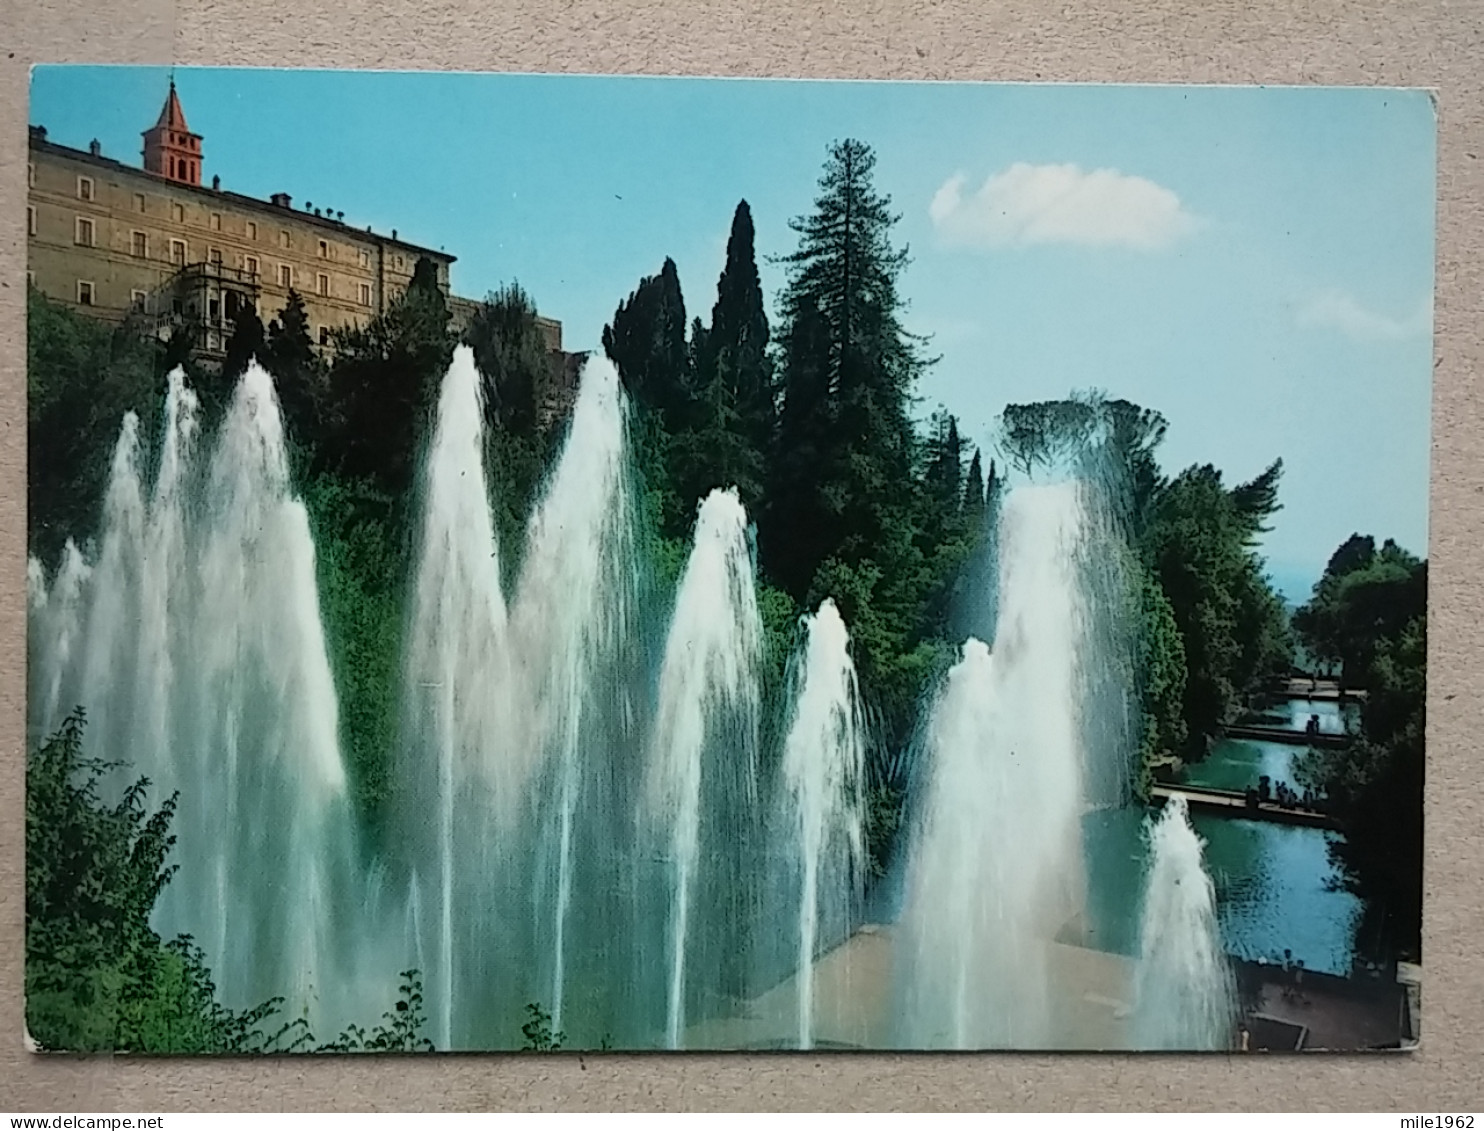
(170, 149)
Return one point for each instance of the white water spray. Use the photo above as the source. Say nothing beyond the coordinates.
(572, 614)
(195, 645)
(823, 758)
(995, 864)
(1185, 997)
(458, 678)
(708, 685)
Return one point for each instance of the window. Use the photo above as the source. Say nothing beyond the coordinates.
(30, 278)
(283, 239)
(324, 249)
(215, 255)
(250, 264)
(30, 220)
(177, 213)
(178, 252)
(139, 202)
(84, 293)
(365, 294)
(84, 188)
(213, 308)
(252, 229)
(324, 335)
(216, 221)
(323, 285)
(285, 275)
(399, 263)
(213, 340)
(84, 232)
(365, 257)
(30, 174)
(137, 298)
(139, 245)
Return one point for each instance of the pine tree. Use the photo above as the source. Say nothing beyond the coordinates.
(844, 475)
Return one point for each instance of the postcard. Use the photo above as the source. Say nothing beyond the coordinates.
(543, 563)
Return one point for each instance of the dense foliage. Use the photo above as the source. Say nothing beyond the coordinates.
(98, 977)
(1368, 616)
(82, 376)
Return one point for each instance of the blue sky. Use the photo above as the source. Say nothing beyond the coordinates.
(1255, 263)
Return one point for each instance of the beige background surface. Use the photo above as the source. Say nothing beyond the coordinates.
(1437, 44)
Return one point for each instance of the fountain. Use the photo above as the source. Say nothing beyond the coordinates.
(704, 747)
(582, 818)
(995, 860)
(572, 619)
(822, 771)
(464, 771)
(1185, 995)
(195, 646)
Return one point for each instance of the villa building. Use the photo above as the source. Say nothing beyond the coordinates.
(109, 239)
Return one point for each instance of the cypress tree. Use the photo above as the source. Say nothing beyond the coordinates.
(737, 347)
(974, 494)
(647, 341)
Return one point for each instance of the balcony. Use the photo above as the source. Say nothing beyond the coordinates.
(198, 274)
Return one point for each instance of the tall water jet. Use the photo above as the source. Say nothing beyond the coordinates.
(995, 868)
(461, 754)
(195, 645)
(113, 611)
(165, 550)
(271, 826)
(1185, 993)
(823, 767)
(56, 623)
(706, 728)
(572, 615)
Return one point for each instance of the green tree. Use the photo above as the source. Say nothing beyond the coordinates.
(511, 352)
(98, 977)
(82, 376)
(844, 480)
(734, 417)
(1235, 634)
(1369, 613)
(974, 492)
(1363, 598)
(384, 381)
(248, 341)
(647, 342)
(298, 374)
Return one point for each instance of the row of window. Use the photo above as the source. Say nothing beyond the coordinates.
(85, 236)
(87, 190)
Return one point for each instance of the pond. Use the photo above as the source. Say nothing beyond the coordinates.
(1276, 886)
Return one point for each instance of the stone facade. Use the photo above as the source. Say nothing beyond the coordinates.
(109, 239)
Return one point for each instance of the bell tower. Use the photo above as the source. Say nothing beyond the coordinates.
(170, 149)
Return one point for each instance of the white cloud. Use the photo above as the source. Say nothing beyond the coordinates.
(1342, 311)
(1036, 204)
